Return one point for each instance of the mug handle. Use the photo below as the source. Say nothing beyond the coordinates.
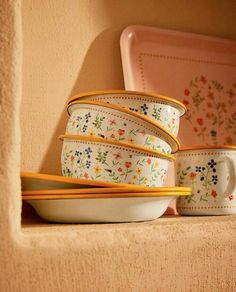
(231, 171)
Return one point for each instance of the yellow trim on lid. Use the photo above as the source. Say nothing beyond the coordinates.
(130, 92)
(164, 131)
(118, 143)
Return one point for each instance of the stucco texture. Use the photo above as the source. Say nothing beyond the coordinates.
(61, 43)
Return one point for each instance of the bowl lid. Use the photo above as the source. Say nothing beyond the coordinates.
(164, 99)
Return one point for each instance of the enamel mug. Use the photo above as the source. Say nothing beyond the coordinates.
(210, 172)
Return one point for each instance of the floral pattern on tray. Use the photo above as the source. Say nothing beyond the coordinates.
(211, 110)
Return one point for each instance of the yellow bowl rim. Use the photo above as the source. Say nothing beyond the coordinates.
(167, 133)
(118, 143)
(103, 196)
(141, 189)
(174, 101)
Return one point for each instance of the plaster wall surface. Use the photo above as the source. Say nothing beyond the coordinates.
(170, 254)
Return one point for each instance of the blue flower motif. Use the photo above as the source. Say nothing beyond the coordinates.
(88, 164)
(88, 151)
(87, 116)
(198, 169)
(144, 109)
(214, 179)
(212, 163)
(213, 133)
(77, 153)
(84, 128)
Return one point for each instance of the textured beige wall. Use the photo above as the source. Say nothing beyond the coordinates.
(73, 46)
(169, 254)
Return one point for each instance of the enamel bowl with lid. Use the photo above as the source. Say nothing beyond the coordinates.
(164, 110)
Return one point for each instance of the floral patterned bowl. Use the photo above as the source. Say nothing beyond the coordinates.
(161, 109)
(210, 171)
(108, 121)
(112, 161)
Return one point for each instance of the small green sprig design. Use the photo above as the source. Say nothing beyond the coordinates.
(102, 156)
(182, 174)
(98, 122)
(157, 113)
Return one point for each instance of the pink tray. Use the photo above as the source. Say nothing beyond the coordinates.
(200, 71)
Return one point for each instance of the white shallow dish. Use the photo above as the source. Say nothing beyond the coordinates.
(101, 210)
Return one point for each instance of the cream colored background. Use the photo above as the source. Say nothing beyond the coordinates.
(72, 46)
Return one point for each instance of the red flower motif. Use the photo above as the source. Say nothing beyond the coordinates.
(113, 136)
(203, 79)
(200, 121)
(195, 129)
(186, 92)
(72, 157)
(128, 164)
(143, 132)
(149, 161)
(117, 156)
(121, 132)
(120, 169)
(112, 122)
(86, 175)
(192, 175)
(185, 102)
(214, 194)
(211, 95)
(231, 197)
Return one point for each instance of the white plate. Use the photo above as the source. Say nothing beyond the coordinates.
(101, 210)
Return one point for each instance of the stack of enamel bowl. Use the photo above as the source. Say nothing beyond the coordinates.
(115, 156)
(121, 137)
